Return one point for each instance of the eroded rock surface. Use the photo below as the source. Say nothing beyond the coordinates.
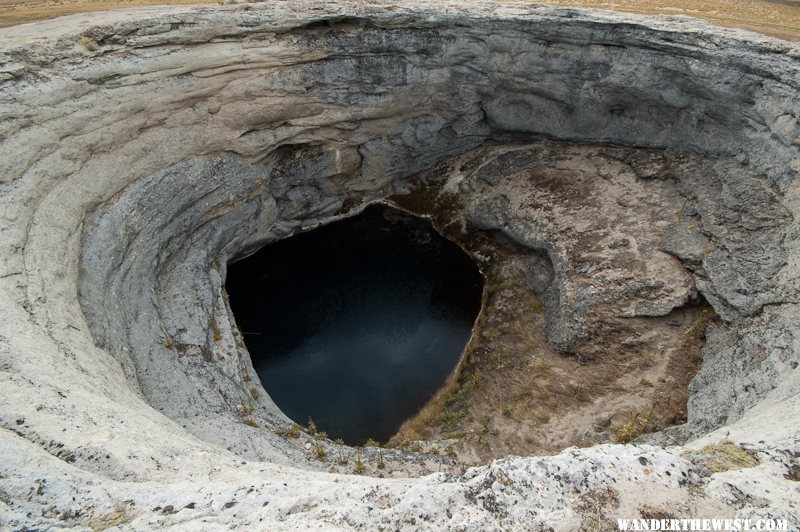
(133, 172)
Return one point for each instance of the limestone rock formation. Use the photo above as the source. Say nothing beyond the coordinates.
(134, 169)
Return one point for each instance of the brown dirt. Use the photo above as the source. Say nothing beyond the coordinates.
(20, 11)
(513, 394)
(776, 18)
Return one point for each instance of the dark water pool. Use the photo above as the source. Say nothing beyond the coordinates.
(358, 323)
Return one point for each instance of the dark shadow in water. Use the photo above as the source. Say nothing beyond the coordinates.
(358, 323)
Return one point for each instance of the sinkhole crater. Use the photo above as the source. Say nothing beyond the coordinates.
(611, 171)
(358, 323)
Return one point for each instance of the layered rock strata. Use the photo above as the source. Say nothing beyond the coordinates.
(142, 150)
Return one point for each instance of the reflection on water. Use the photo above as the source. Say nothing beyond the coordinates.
(358, 323)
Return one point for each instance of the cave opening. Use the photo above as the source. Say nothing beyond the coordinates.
(356, 324)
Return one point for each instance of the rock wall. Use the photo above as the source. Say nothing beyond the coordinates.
(136, 164)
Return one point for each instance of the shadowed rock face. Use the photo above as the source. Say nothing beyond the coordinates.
(132, 174)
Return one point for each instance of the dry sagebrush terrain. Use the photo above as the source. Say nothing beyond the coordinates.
(778, 18)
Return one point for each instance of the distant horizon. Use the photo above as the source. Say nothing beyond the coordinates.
(774, 18)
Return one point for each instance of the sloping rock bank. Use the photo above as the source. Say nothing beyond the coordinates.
(144, 149)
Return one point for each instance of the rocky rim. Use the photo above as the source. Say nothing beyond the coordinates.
(143, 149)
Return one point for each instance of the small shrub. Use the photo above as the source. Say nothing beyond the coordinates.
(698, 327)
(397, 442)
(254, 393)
(312, 427)
(452, 419)
(321, 435)
(458, 394)
(646, 382)
(359, 468)
(319, 451)
(338, 441)
(380, 464)
(372, 443)
(245, 412)
(245, 409)
(293, 431)
(634, 428)
(416, 448)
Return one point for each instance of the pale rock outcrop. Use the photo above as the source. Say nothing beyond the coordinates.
(131, 174)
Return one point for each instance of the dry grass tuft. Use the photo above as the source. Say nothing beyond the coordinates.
(635, 427)
(88, 43)
(216, 333)
(320, 452)
(292, 431)
(727, 456)
(359, 468)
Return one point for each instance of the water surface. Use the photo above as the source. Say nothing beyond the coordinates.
(358, 323)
